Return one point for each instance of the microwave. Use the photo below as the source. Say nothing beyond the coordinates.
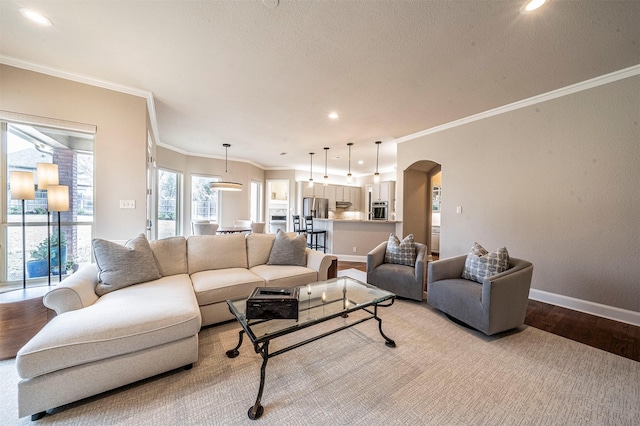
(380, 210)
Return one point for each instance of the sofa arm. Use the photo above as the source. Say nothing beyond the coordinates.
(446, 268)
(375, 257)
(319, 262)
(508, 287)
(421, 261)
(75, 292)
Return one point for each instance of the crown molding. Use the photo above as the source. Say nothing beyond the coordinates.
(217, 157)
(564, 91)
(92, 81)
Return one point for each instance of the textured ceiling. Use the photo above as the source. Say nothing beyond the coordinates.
(264, 79)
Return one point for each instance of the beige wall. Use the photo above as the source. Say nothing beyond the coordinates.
(120, 141)
(234, 205)
(557, 183)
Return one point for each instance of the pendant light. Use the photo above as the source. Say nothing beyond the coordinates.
(376, 175)
(226, 186)
(349, 177)
(311, 170)
(326, 177)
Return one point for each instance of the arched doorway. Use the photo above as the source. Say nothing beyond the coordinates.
(418, 195)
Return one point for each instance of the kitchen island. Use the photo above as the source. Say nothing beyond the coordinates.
(351, 240)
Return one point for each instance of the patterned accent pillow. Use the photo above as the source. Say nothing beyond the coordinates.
(481, 264)
(401, 252)
(121, 266)
(288, 250)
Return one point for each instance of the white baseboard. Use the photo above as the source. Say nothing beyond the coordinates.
(605, 311)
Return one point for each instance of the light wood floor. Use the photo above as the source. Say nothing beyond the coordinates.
(602, 333)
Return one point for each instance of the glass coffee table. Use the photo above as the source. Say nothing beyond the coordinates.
(317, 303)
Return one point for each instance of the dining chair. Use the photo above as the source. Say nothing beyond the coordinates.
(257, 227)
(204, 228)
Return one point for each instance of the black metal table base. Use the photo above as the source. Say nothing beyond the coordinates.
(262, 348)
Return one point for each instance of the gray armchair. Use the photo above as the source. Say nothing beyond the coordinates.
(496, 305)
(402, 280)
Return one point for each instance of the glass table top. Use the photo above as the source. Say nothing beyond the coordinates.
(317, 302)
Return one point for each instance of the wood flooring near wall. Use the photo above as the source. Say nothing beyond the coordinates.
(612, 336)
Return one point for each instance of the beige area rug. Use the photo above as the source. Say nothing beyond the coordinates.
(439, 374)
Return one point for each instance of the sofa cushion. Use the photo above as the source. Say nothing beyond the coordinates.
(401, 252)
(258, 248)
(481, 264)
(210, 252)
(219, 285)
(285, 275)
(121, 266)
(288, 250)
(120, 322)
(171, 255)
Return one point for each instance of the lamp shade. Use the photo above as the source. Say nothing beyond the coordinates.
(226, 186)
(21, 185)
(58, 198)
(47, 175)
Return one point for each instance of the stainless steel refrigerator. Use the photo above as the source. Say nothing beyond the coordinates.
(316, 207)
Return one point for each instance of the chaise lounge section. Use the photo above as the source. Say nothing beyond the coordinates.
(97, 343)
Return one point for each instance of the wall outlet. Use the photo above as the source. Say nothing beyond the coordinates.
(127, 204)
(355, 250)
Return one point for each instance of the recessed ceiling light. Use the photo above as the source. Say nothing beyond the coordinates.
(36, 17)
(532, 5)
(360, 162)
(334, 115)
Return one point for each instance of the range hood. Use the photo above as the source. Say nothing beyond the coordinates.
(343, 204)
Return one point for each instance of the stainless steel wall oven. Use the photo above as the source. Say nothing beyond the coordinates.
(380, 210)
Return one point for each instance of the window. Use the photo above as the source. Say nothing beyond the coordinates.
(169, 184)
(23, 147)
(204, 200)
(256, 201)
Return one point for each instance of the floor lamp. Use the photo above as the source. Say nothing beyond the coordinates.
(58, 201)
(47, 174)
(22, 188)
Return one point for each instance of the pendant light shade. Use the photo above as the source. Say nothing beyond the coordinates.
(376, 175)
(311, 170)
(326, 177)
(349, 177)
(226, 186)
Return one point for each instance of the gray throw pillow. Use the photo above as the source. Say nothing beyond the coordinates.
(121, 266)
(288, 250)
(481, 264)
(401, 252)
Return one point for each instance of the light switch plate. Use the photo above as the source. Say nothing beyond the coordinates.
(459, 209)
(127, 204)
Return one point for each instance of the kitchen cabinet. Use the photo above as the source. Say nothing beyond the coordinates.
(330, 194)
(355, 196)
(341, 193)
(316, 191)
(384, 191)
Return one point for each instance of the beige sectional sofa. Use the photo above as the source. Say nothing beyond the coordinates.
(97, 343)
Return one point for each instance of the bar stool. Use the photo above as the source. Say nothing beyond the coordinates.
(312, 235)
(297, 225)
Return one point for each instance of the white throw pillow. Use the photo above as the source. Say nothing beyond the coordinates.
(401, 252)
(481, 264)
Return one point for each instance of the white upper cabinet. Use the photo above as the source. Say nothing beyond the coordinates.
(383, 191)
